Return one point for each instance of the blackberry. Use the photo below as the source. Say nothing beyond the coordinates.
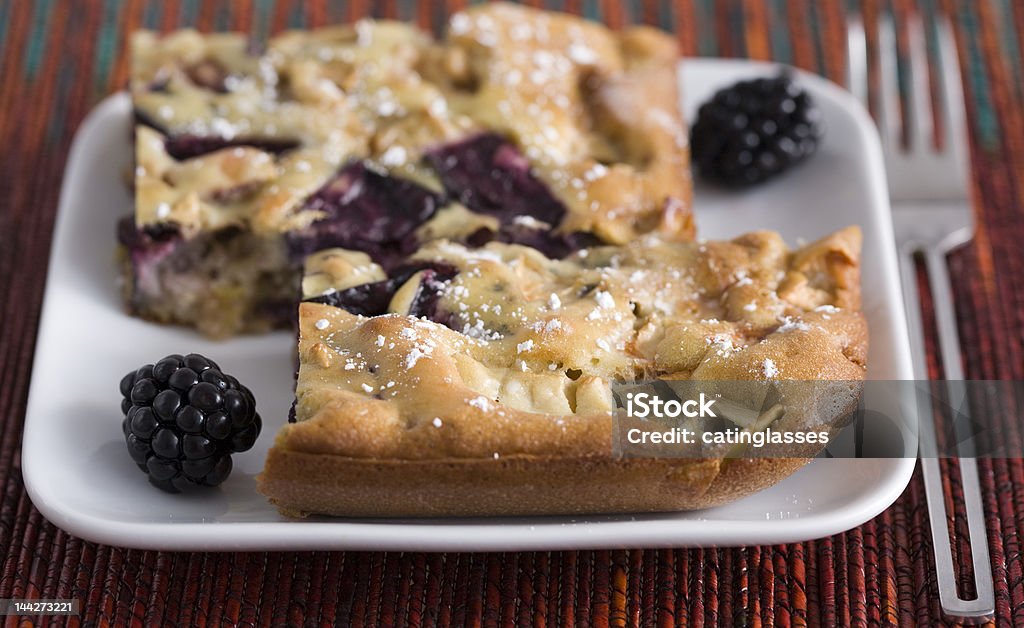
(754, 130)
(183, 418)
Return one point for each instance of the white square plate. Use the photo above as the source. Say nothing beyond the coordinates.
(79, 475)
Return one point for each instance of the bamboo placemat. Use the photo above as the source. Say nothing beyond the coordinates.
(59, 59)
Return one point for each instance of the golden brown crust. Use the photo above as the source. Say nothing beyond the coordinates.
(395, 399)
(300, 484)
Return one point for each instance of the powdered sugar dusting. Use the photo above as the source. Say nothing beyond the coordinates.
(791, 324)
(480, 403)
(722, 344)
(413, 357)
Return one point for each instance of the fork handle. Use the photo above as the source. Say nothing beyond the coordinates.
(949, 347)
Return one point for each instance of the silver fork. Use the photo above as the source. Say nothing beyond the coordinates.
(932, 215)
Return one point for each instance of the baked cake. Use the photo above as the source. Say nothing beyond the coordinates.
(486, 232)
(519, 126)
(477, 381)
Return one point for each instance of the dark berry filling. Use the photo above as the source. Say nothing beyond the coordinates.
(552, 245)
(368, 299)
(489, 175)
(427, 302)
(372, 299)
(188, 146)
(367, 211)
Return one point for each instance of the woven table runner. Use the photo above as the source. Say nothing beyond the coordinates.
(60, 58)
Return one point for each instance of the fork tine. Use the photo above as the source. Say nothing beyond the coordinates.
(889, 91)
(920, 124)
(954, 119)
(857, 59)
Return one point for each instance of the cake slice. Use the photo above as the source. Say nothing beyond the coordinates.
(520, 126)
(469, 381)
